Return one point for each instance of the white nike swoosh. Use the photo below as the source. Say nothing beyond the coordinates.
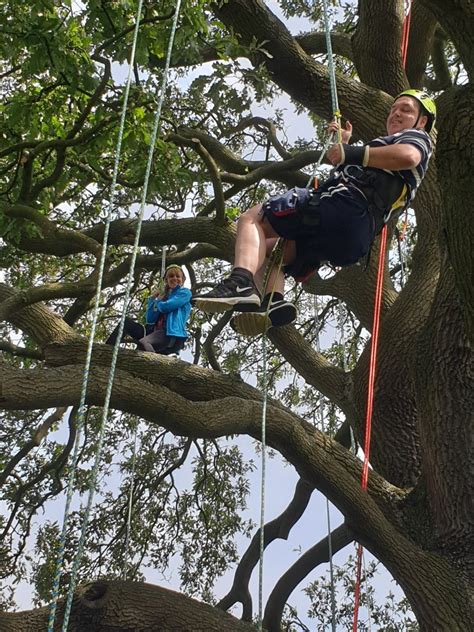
(239, 290)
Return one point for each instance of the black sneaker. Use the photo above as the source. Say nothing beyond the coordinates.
(253, 323)
(280, 313)
(227, 294)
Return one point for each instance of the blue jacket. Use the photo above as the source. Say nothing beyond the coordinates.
(177, 309)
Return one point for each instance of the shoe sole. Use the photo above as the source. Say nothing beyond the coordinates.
(256, 323)
(251, 323)
(217, 305)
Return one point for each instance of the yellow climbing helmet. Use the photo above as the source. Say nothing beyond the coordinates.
(427, 104)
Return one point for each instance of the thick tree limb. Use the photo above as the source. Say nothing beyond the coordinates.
(445, 365)
(314, 43)
(21, 352)
(297, 73)
(38, 321)
(318, 459)
(457, 19)
(423, 27)
(441, 68)
(455, 136)
(45, 292)
(49, 232)
(376, 45)
(122, 606)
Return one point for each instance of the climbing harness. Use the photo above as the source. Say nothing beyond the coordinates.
(95, 469)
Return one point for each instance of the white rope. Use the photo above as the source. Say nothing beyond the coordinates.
(262, 483)
(85, 381)
(126, 555)
(321, 415)
(105, 410)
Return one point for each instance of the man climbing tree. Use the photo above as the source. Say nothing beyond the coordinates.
(62, 89)
(335, 223)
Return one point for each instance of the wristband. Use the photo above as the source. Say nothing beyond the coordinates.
(354, 155)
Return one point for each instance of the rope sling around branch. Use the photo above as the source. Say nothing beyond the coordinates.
(129, 283)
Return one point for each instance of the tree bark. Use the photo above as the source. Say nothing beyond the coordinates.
(103, 606)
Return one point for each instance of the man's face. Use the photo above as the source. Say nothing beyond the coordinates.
(404, 114)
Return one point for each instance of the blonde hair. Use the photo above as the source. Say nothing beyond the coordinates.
(174, 266)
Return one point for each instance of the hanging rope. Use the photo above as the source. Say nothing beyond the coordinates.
(370, 401)
(129, 282)
(331, 67)
(317, 326)
(401, 234)
(126, 554)
(329, 141)
(85, 380)
(262, 482)
(373, 354)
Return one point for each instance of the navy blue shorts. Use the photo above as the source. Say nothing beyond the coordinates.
(331, 224)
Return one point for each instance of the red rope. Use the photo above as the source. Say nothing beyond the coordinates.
(373, 354)
(405, 35)
(370, 402)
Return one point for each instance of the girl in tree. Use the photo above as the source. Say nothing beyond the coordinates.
(166, 317)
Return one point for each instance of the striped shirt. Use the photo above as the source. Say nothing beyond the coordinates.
(411, 177)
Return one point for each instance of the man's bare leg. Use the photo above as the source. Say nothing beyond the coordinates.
(253, 231)
(250, 253)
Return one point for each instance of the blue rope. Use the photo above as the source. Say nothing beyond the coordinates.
(333, 89)
(85, 381)
(331, 67)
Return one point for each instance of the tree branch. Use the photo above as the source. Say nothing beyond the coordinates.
(39, 434)
(376, 45)
(314, 556)
(38, 321)
(21, 352)
(279, 528)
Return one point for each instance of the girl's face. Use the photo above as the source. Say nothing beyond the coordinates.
(174, 277)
